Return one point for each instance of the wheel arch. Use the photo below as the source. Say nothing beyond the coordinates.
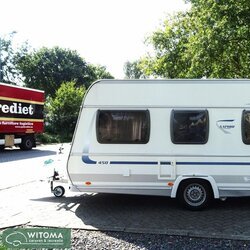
(209, 179)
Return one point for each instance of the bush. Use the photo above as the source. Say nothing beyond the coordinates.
(46, 138)
(62, 111)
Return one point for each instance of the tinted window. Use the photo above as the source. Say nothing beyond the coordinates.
(246, 127)
(123, 126)
(189, 127)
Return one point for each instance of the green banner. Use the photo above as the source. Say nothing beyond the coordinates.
(48, 238)
(2, 247)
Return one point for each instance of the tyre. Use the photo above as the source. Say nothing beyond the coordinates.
(195, 194)
(1, 147)
(27, 143)
(58, 191)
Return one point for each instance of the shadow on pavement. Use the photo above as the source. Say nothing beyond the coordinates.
(153, 214)
(7, 154)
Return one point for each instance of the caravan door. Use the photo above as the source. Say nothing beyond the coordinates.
(167, 170)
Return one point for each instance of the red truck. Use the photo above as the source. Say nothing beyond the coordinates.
(21, 116)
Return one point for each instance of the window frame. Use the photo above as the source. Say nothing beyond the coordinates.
(148, 132)
(189, 111)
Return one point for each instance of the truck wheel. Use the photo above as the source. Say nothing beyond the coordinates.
(58, 191)
(1, 147)
(195, 194)
(27, 143)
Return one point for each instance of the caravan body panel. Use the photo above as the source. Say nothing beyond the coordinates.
(159, 165)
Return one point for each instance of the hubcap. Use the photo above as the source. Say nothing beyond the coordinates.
(58, 191)
(195, 194)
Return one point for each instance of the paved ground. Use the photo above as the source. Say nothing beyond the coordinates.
(26, 200)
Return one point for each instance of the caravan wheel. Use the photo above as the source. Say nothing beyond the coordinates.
(195, 194)
(58, 191)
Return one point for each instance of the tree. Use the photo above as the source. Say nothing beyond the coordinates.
(133, 70)
(47, 69)
(8, 56)
(211, 40)
(99, 72)
(62, 111)
(170, 49)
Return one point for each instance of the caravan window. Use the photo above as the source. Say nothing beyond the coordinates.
(118, 126)
(189, 127)
(246, 127)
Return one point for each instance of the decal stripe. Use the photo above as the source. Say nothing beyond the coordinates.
(135, 162)
(87, 160)
(214, 163)
(20, 119)
(20, 100)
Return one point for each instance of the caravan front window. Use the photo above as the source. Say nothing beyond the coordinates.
(189, 127)
(123, 126)
(246, 127)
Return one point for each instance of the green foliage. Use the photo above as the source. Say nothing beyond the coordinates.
(9, 73)
(46, 138)
(47, 69)
(99, 72)
(170, 49)
(133, 70)
(62, 111)
(210, 40)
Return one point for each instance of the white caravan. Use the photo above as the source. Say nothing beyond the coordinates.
(188, 139)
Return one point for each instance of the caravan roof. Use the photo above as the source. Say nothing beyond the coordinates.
(169, 93)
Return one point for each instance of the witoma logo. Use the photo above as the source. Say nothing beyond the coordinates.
(45, 235)
(37, 238)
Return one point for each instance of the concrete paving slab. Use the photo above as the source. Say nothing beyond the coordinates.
(34, 205)
(29, 202)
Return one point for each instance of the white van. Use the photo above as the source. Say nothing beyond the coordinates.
(188, 139)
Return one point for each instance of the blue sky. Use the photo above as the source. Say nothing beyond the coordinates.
(106, 32)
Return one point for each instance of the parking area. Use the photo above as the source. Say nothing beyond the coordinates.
(25, 200)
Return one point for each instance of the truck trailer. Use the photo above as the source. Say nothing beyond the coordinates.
(21, 116)
(186, 139)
